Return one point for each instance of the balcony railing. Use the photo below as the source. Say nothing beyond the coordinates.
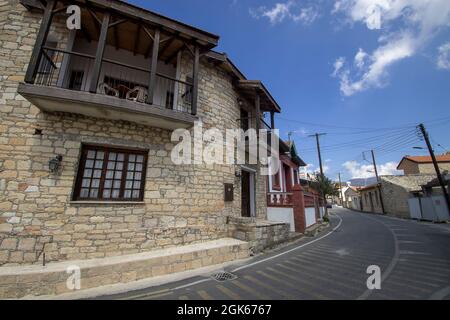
(279, 199)
(73, 71)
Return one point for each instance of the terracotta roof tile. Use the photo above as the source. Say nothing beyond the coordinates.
(427, 159)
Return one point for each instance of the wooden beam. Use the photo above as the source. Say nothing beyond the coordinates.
(136, 39)
(99, 54)
(166, 45)
(174, 55)
(149, 48)
(117, 22)
(41, 38)
(97, 21)
(272, 120)
(148, 33)
(154, 64)
(116, 37)
(195, 79)
(257, 111)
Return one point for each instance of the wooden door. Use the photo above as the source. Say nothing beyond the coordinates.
(245, 193)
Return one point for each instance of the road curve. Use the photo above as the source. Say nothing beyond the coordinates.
(414, 259)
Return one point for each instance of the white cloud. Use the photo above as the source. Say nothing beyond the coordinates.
(443, 61)
(358, 170)
(287, 10)
(307, 15)
(406, 27)
(338, 64)
(360, 58)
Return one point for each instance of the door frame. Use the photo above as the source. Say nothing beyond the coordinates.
(252, 173)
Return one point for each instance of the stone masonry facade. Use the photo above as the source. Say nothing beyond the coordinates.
(182, 204)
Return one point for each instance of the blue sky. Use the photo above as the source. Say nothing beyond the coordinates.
(358, 70)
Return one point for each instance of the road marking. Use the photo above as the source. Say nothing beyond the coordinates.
(229, 293)
(342, 252)
(153, 296)
(441, 294)
(204, 295)
(286, 283)
(415, 252)
(353, 250)
(427, 263)
(145, 294)
(297, 280)
(404, 286)
(326, 276)
(414, 280)
(293, 249)
(408, 272)
(183, 298)
(269, 287)
(253, 292)
(391, 265)
(313, 285)
(408, 241)
(331, 265)
(340, 260)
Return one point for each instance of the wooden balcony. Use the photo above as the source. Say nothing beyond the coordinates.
(124, 63)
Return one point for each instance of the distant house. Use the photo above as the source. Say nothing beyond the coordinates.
(352, 198)
(423, 164)
(429, 203)
(282, 204)
(392, 194)
(370, 198)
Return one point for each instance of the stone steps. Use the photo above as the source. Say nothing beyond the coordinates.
(33, 280)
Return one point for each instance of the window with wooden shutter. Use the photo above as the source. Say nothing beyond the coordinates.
(111, 174)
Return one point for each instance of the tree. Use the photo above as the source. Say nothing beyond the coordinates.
(326, 187)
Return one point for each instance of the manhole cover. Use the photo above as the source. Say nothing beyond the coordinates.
(223, 276)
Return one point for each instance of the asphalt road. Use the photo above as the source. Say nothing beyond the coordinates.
(414, 259)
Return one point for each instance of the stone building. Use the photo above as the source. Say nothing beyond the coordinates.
(392, 193)
(423, 164)
(86, 123)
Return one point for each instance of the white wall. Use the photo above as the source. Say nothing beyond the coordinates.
(285, 215)
(310, 216)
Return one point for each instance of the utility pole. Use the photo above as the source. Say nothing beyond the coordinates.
(317, 135)
(436, 167)
(378, 181)
(340, 190)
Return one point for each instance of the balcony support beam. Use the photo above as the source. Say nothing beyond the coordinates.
(154, 64)
(41, 38)
(195, 79)
(257, 111)
(272, 120)
(99, 54)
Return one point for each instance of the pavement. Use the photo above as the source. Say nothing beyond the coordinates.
(413, 258)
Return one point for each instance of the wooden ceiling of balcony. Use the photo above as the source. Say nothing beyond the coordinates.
(134, 37)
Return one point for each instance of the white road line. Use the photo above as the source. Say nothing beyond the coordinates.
(291, 250)
(391, 265)
(264, 260)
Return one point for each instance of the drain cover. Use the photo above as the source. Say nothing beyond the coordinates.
(223, 276)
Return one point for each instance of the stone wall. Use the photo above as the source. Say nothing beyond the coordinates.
(396, 192)
(182, 204)
(259, 233)
(428, 168)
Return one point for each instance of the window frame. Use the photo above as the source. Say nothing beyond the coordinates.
(107, 150)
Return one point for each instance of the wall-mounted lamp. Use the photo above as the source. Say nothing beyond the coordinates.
(55, 163)
(237, 173)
